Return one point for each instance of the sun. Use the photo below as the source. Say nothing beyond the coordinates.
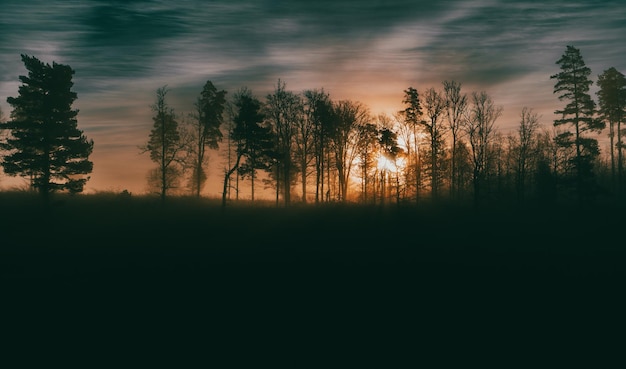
(390, 165)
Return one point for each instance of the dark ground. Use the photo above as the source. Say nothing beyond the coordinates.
(120, 281)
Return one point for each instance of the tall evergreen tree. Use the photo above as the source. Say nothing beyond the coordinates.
(44, 142)
(612, 102)
(413, 117)
(210, 111)
(573, 85)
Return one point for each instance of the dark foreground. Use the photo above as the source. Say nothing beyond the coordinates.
(129, 282)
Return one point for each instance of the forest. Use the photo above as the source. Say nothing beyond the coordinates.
(428, 221)
(444, 146)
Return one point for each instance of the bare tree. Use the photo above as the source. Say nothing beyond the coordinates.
(284, 110)
(306, 136)
(434, 106)
(321, 113)
(480, 130)
(456, 110)
(367, 145)
(529, 123)
(352, 116)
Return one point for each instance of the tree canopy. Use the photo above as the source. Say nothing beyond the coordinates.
(44, 143)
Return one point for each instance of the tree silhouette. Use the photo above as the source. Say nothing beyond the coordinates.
(612, 102)
(351, 116)
(480, 129)
(253, 139)
(164, 143)
(388, 141)
(305, 137)
(323, 118)
(210, 110)
(413, 117)
(435, 107)
(284, 111)
(367, 148)
(44, 142)
(456, 110)
(524, 147)
(573, 86)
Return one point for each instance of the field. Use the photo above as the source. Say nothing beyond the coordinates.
(315, 286)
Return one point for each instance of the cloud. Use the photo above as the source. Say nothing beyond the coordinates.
(367, 50)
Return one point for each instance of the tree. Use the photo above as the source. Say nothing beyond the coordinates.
(435, 106)
(456, 110)
(2, 133)
(367, 145)
(44, 142)
(388, 141)
(612, 103)
(305, 136)
(284, 110)
(230, 152)
(322, 114)
(529, 123)
(252, 138)
(210, 110)
(351, 116)
(480, 130)
(164, 144)
(545, 179)
(413, 117)
(572, 85)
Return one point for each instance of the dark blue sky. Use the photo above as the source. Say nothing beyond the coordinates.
(366, 50)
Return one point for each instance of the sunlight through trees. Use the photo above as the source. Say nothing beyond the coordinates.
(444, 145)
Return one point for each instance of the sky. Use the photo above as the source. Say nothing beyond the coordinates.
(366, 50)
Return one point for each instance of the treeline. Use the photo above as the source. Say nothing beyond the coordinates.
(442, 146)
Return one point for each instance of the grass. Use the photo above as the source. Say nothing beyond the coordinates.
(341, 281)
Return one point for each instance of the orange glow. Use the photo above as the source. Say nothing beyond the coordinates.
(389, 165)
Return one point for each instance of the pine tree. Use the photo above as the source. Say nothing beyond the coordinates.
(612, 102)
(210, 109)
(573, 85)
(44, 142)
